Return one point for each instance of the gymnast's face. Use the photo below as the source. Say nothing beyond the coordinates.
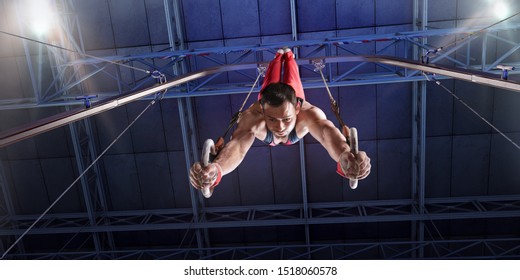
(281, 120)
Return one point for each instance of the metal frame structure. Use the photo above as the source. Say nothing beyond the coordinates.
(418, 210)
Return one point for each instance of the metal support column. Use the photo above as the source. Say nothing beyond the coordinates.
(81, 132)
(419, 135)
(186, 118)
(294, 31)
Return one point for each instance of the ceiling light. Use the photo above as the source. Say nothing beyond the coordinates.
(41, 16)
(501, 10)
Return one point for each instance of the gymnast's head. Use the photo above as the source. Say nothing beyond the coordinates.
(275, 94)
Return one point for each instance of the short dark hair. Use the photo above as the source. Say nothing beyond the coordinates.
(276, 93)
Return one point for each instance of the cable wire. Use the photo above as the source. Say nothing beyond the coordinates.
(476, 113)
(425, 58)
(79, 177)
(77, 52)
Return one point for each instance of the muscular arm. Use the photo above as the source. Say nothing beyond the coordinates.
(326, 133)
(235, 150)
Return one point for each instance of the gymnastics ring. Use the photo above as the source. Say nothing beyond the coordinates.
(207, 149)
(354, 149)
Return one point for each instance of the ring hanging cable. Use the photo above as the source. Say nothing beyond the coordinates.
(158, 97)
(319, 64)
(236, 117)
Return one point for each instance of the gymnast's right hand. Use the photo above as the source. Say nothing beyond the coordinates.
(204, 177)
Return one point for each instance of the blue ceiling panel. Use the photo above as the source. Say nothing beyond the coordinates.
(227, 236)
(242, 57)
(129, 75)
(260, 235)
(23, 70)
(312, 51)
(109, 125)
(214, 114)
(393, 113)
(227, 193)
(393, 48)
(320, 190)
(395, 231)
(129, 22)
(355, 13)
(202, 20)
(6, 42)
(156, 186)
(123, 185)
(58, 174)
(316, 15)
(364, 231)
(394, 169)
(201, 62)
(438, 165)
(439, 109)
(358, 105)
(394, 12)
(286, 174)
(441, 10)
(26, 174)
(240, 18)
(505, 164)
(275, 17)
(501, 49)
(481, 100)
(470, 169)
(474, 8)
(94, 19)
(255, 179)
(25, 149)
(148, 132)
(54, 143)
(9, 80)
(172, 124)
(179, 179)
(106, 80)
(506, 115)
(468, 227)
(327, 232)
(157, 27)
(356, 49)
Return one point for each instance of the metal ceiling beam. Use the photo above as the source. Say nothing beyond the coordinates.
(464, 248)
(335, 41)
(274, 215)
(46, 124)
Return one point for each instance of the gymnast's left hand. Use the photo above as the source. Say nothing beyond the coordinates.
(355, 166)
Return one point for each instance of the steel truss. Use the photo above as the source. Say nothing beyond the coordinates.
(199, 218)
(398, 44)
(499, 248)
(269, 215)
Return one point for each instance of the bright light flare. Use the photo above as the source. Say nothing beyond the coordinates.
(40, 16)
(500, 9)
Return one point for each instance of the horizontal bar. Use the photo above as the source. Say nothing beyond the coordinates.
(23, 132)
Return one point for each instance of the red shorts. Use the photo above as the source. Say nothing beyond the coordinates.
(291, 75)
